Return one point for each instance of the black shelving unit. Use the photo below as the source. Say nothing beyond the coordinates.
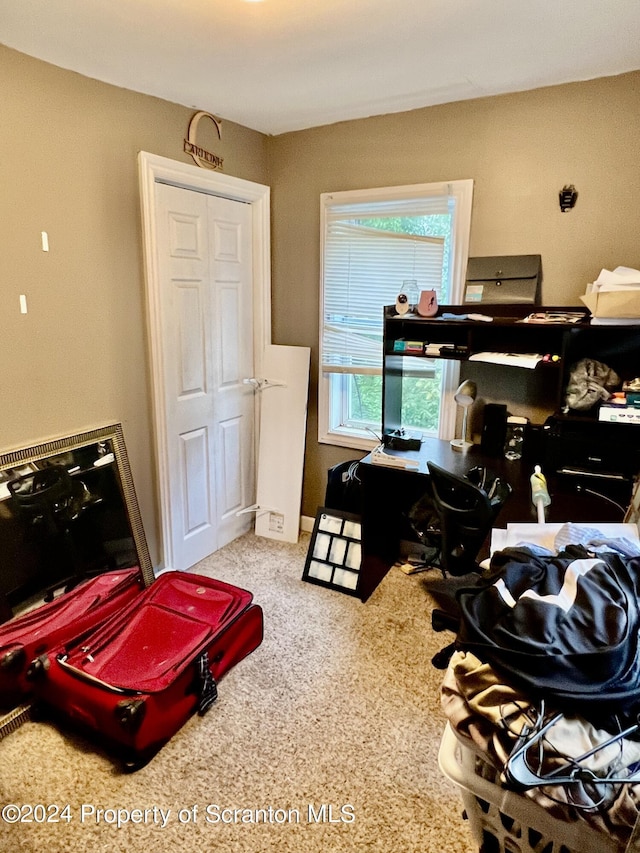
(618, 346)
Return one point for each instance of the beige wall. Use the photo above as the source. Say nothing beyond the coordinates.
(519, 149)
(68, 149)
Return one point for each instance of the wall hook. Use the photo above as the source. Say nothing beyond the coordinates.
(568, 196)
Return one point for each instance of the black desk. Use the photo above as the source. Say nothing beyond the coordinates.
(388, 493)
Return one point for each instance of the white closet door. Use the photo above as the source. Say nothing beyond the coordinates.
(205, 268)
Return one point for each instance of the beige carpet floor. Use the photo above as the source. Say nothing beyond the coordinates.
(338, 707)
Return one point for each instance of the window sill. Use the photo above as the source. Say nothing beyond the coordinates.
(349, 439)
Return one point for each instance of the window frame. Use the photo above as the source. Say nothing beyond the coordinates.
(462, 191)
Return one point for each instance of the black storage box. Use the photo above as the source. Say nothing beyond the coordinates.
(500, 279)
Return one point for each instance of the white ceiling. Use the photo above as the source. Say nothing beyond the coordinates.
(281, 65)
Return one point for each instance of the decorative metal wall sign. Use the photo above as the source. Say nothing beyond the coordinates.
(201, 156)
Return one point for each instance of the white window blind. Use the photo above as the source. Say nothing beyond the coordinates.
(364, 268)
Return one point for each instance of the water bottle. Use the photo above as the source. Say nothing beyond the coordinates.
(539, 492)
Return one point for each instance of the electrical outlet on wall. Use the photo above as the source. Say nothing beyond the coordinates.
(276, 522)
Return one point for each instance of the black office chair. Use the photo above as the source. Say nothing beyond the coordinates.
(466, 507)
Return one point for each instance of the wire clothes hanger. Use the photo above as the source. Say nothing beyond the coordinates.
(519, 772)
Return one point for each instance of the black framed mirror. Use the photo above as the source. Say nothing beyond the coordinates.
(68, 512)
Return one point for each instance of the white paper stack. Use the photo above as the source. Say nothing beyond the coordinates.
(621, 278)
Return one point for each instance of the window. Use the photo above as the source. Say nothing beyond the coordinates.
(372, 241)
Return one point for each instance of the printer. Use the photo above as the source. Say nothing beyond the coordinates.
(597, 455)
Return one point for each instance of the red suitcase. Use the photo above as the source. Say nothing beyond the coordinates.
(143, 673)
(26, 637)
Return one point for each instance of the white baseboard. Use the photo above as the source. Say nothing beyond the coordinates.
(306, 523)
